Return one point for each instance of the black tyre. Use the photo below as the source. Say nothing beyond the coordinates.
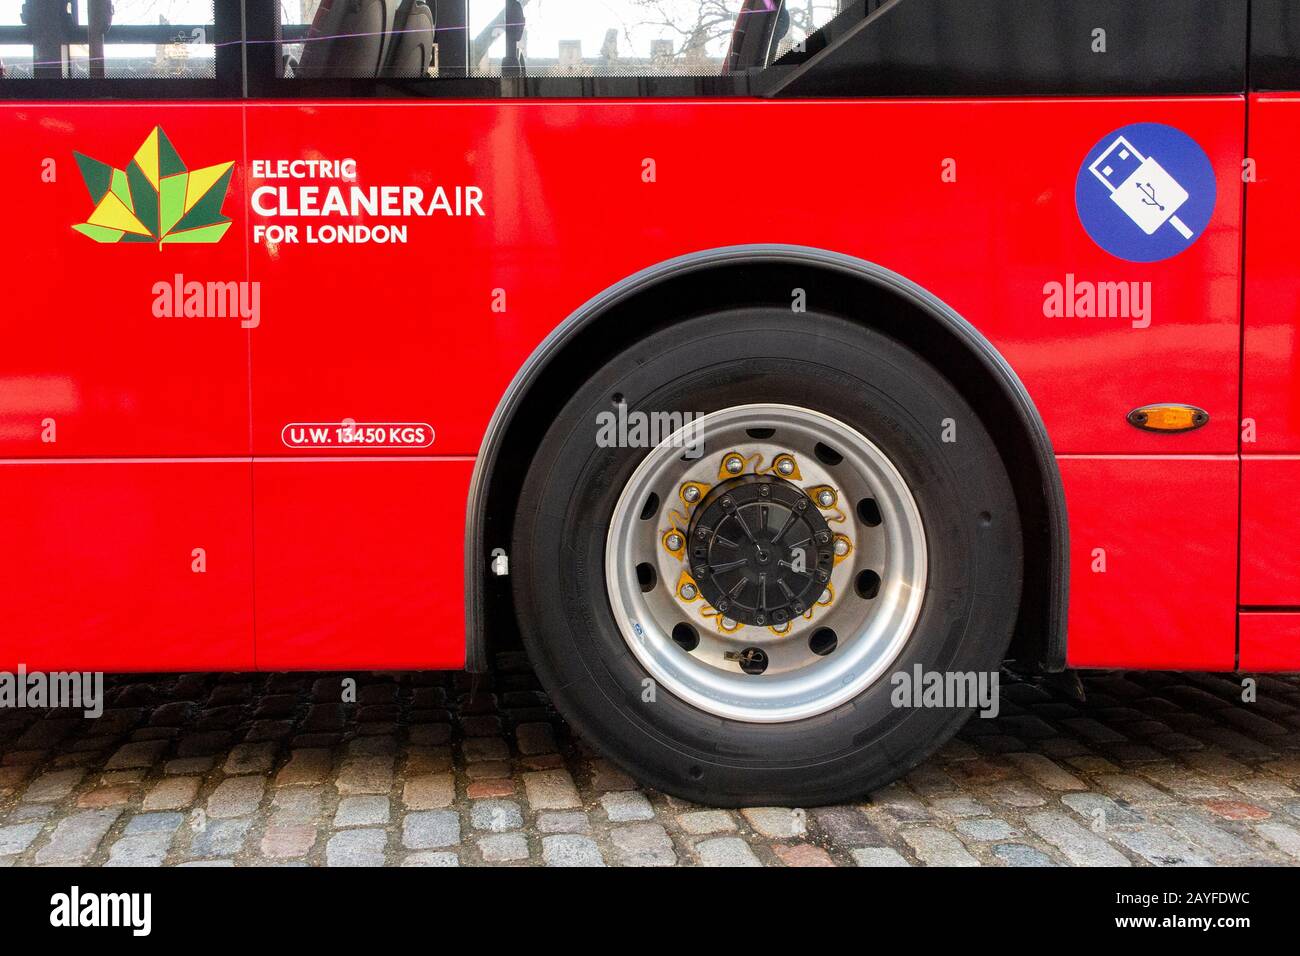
(707, 671)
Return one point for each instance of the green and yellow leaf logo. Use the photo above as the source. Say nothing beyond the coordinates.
(156, 199)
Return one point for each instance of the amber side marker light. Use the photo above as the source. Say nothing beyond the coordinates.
(1168, 418)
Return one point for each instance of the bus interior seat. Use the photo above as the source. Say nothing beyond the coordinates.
(512, 64)
(347, 38)
(411, 45)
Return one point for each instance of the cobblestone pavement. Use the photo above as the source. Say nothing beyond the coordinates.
(440, 770)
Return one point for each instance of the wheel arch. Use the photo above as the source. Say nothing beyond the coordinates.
(705, 281)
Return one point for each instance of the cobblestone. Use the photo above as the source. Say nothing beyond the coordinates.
(568, 850)
(1079, 845)
(15, 839)
(643, 844)
(1017, 854)
(623, 806)
(878, 856)
(236, 797)
(218, 837)
(250, 758)
(297, 805)
(426, 829)
(938, 847)
(986, 829)
(496, 815)
(305, 767)
(535, 738)
(143, 753)
(803, 854)
(356, 848)
(777, 823)
(429, 791)
(431, 858)
(551, 790)
(140, 849)
(365, 775)
(172, 793)
(706, 821)
(362, 811)
(503, 847)
(447, 770)
(563, 823)
(53, 786)
(726, 851)
(75, 838)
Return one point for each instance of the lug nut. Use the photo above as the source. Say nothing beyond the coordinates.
(689, 592)
(841, 547)
(826, 497)
(691, 493)
(734, 463)
(674, 542)
(785, 466)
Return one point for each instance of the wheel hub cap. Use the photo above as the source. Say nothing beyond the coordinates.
(760, 551)
(701, 564)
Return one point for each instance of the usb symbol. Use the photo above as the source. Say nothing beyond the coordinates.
(1141, 187)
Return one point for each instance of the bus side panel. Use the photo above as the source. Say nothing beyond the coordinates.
(1270, 513)
(973, 201)
(90, 363)
(433, 328)
(1152, 561)
(1269, 640)
(1271, 357)
(126, 566)
(359, 563)
(1270, 528)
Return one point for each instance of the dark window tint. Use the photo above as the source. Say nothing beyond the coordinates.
(99, 39)
(542, 40)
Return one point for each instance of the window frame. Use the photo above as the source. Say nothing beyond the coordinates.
(263, 83)
(227, 84)
(247, 37)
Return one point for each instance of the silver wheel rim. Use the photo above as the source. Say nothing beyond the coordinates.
(800, 678)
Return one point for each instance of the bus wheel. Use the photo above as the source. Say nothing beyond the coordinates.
(748, 551)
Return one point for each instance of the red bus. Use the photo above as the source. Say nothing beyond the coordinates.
(768, 364)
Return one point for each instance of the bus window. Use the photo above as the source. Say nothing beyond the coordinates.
(356, 39)
(503, 39)
(769, 29)
(589, 38)
(99, 39)
(802, 19)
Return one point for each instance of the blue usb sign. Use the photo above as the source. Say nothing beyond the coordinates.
(1145, 192)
